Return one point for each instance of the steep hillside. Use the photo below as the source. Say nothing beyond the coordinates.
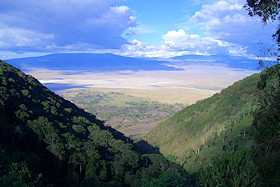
(210, 127)
(45, 139)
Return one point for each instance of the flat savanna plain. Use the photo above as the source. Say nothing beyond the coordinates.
(134, 112)
(148, 90)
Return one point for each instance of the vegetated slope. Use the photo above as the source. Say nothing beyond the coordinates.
(120, 110)
(221, 123)
(45, 139)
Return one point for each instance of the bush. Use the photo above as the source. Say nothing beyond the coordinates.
(231, 170)
(167, 179)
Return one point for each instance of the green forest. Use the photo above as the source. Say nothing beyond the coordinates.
(228, 130)
(46, 140)
(230, 139)
(120, 110)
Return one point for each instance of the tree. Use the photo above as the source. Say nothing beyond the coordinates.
(231, 170)
(266, 127)
(167, 179)
(268, 10)
(18, 175)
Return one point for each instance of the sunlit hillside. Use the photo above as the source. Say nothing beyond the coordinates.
(210, 127)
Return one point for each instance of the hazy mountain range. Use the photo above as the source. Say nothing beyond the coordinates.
(111, 62)
(206, 74)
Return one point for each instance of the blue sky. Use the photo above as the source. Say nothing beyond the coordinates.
(138, 28)
(155, 18)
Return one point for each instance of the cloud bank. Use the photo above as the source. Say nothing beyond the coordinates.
(223, 27)
(33, 25)
(229, 21)
(227, 30)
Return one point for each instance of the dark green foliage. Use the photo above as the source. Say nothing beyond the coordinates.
(266, 128)
(266, 125)
(157, 165)
(18, 175)
(244, 150)
(231, 170)
(44, 135)
(167, 179)
(267, 10)
(15, 172)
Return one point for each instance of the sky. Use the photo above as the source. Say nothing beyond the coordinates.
(136, 28)
(188, 34)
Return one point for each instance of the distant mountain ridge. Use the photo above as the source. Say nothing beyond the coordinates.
(80, 70)
(90, 62)
(110, 62)
(238, 62)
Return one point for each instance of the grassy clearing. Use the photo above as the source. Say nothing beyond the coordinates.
(129, 113)
(162, 95)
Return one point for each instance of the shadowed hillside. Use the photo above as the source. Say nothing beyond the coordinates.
(45, 139)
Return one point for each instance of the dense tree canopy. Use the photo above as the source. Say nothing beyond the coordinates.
(266, 125)
(45, 139)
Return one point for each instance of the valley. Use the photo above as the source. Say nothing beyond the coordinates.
(130, 94)
(47, 140)
(191, 136)
(132, 112)
(140, 93)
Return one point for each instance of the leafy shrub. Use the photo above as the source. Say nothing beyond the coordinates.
(167, 179)
(231, 170)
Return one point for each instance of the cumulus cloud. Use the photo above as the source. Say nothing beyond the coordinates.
(176, 40)
(195, 44)
(138, 49)
(177, 43)
(55, 25)
(229, 21)
(84, 25)
(11, 37)
(227, 28)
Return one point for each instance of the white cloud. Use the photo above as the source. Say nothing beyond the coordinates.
(11, 37)
(120, 9)
(229, 21)
(46, 24)
(177, 43)
(87, 25)
(180, 40)
(228, 30)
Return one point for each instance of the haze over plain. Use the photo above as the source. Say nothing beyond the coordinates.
(201, 40)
